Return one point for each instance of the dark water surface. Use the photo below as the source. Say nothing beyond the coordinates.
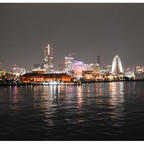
(101, 111)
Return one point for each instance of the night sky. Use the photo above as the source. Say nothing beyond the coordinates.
(83, 30)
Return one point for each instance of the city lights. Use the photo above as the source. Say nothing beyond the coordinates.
(73, 71)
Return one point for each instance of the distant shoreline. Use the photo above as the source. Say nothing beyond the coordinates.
(69, 84)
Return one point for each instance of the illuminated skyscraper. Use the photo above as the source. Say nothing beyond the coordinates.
(48, 58)
(117, 65)
(78, 67)
(68, 64)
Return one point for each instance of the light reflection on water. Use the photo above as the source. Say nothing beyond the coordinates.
(117, 100)
(90, 111)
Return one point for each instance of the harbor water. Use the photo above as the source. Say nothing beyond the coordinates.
(96, 111)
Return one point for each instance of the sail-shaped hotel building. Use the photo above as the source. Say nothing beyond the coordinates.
(117, 66)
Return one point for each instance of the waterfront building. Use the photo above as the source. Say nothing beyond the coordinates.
(68, 61)
(108, 68)
(39, 70)
(117, 65)
(90, 72)
(78, 67)
(88, 75)
(139, 69)
(18, 71)
(92, 67)
(36, 78)
(129, 75)
(88, 67)
(130, 69)
(48, 63)
(139, 76)
(2, 73)
(96, 67)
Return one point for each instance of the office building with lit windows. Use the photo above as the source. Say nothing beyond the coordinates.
(48, 63)
(68, 61)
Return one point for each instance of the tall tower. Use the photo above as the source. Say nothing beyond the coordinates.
(48, 58)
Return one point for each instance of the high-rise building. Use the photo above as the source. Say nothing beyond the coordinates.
(61, 66)
(48, 63)
(68, 61)
(117, 65)
(78, 67)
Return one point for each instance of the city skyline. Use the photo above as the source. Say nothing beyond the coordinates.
(87, 30)
(71, 71)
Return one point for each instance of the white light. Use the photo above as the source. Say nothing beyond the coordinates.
(48, 49)
(115, 61)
